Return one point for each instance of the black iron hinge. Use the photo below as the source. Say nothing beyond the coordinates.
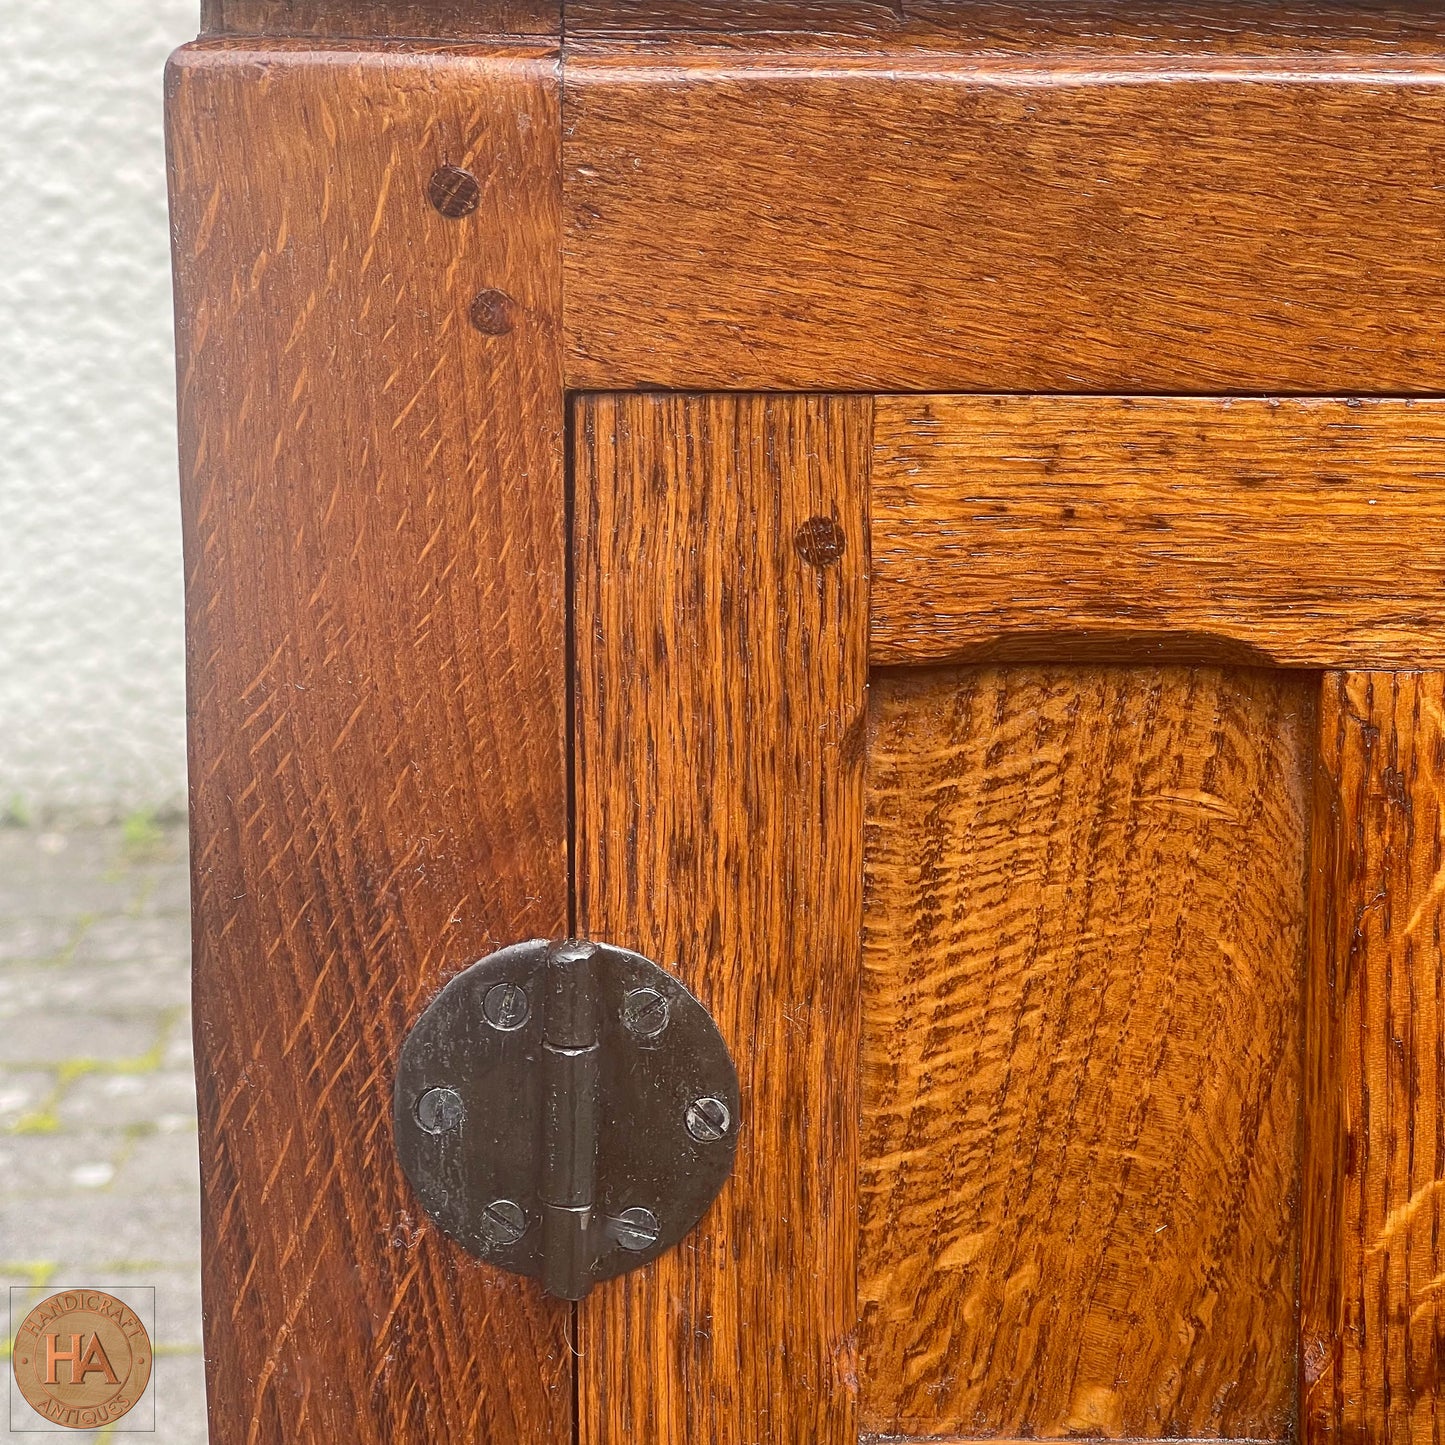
(566, 1111)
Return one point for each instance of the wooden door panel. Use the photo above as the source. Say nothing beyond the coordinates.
(1086, 1012)
(1291, 532)
(1084, 947)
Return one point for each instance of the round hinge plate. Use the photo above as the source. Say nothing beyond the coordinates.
(566, 1111)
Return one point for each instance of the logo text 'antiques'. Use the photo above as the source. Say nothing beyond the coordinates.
(82, 1358)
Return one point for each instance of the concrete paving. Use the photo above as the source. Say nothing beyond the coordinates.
(98, 1172)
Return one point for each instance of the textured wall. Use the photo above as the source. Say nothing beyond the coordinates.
(91, 697)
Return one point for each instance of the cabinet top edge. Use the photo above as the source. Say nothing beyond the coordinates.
(1004, 28)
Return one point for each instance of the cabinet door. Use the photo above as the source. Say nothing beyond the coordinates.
(1043, 794)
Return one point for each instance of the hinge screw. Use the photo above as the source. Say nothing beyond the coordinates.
(504, 1222)
(708, 1119)
(637, 1229)
(646, 1013)
(506, 1006)
(439, 1111)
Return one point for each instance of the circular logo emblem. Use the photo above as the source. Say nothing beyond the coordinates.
(82, 1358)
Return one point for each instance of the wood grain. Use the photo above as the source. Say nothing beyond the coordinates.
(721, 685)
(1163, 28)
(1035, 223)
(1084, 935)
(1298, 533)
(1373, 1317)
(876, 1439)
(382, 19)
(375, 553)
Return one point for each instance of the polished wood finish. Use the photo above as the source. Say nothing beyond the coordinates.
(719, 745)
(1084, 945)
(1111, 1117)
(1373, 1316)
(934, 222)
(383, 19)
(375, 558)
(1178, 28)
(1298, 533)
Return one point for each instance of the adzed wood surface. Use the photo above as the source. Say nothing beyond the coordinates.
(1060, 223)
(1084, 948)
(1373, 1303)
(721, 625)
(375, 590)
(1299, 533)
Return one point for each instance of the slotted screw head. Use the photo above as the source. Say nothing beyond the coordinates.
(439, 1110)
(637, 1229)
(708, 1119)
(646, 1013)
(504, 1221)
(506, 1007)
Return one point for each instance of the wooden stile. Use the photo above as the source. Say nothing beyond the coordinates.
(1372, 1324)
(720, 695)
(373, 511)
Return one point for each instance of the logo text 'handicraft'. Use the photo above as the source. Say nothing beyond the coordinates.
(82, 1359)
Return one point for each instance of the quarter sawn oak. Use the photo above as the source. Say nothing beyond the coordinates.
(720, 714)
(373, 515)
(1084, 930)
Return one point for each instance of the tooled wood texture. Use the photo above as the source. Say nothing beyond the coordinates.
(374, 533)
(414, 19)
(1057, 224)
(720, 709)
(1166, 27)
(1301, 533)
(1084, 935)
(1373, 1265)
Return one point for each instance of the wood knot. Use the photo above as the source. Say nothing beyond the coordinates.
(453, 191)
(820, 542)
(491, 313)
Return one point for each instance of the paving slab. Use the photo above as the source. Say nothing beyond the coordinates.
(99, 1181)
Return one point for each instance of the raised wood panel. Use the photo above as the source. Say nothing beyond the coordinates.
(373, 498)
(1084, 948)
(721, 671)
(1299, 533)
(406, 19)
(1373, 1268)
(936, 223)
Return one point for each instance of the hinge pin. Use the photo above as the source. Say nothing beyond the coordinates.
(572, 1058)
